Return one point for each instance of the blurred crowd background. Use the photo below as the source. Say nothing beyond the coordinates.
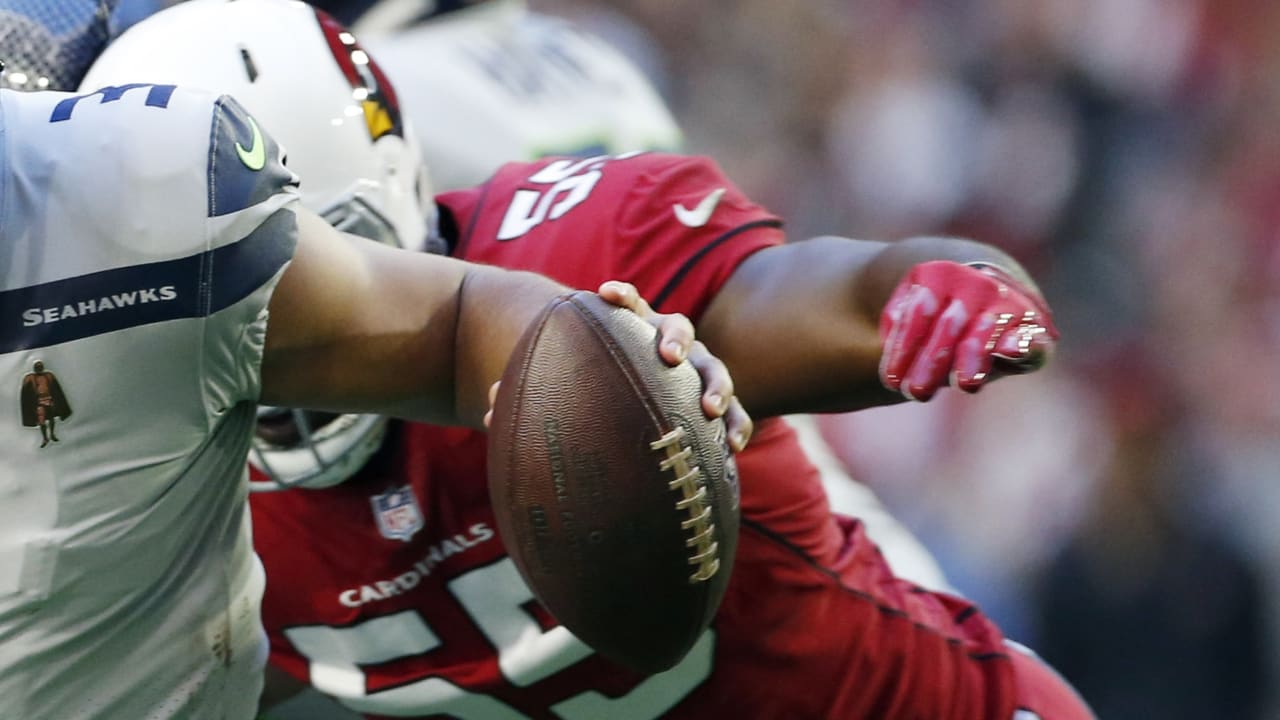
(1120, 512)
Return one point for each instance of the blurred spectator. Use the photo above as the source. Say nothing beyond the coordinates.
(1126, 151)
(1149, 610)
(993, 506)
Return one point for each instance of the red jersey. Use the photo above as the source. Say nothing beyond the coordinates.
(393, 592)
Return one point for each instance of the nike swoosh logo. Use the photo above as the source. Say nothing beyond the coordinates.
(255, 158)
(699, 216)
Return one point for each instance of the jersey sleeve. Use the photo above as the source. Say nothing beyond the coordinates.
(685, 228)
(673, 225)
(158, 207)
(253, 232)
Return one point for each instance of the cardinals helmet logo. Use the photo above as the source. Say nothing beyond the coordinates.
(369, 85)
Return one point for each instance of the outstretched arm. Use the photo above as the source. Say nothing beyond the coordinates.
(834, 324)
(363, 327)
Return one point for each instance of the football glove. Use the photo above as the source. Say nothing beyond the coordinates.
(962, 325)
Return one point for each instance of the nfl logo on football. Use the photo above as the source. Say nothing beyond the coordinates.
(397, 514)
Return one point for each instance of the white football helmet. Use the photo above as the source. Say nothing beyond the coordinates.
(322, 98)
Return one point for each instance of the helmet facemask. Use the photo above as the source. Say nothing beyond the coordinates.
(319, 94)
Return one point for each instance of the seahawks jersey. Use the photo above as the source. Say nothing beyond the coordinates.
(496, 83)
(142, 231)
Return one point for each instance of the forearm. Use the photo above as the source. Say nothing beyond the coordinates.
(798, 325)
(876, 281)
(495, 306)
(360, 327)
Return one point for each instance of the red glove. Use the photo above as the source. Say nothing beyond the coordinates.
(949, 323)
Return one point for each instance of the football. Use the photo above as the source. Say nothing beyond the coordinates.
(614, 494)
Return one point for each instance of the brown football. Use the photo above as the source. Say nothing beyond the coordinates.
(614, 494)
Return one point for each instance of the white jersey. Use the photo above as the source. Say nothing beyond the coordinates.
(496, 83)
(906, 555)
(142, 231)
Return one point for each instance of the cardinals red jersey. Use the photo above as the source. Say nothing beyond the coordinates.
(393, 593)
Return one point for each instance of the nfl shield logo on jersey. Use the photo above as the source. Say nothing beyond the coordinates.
(397, 513)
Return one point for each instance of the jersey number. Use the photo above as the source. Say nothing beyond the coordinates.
(158, 96)
(492, 596)
(570, 181)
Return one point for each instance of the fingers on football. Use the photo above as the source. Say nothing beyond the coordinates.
(717, 385)
(675, 329)
(739, 425)
(624, 294)
(718, 399)
(677, 338)
(493, 397)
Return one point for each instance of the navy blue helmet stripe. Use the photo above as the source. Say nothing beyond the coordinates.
(112, 300)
